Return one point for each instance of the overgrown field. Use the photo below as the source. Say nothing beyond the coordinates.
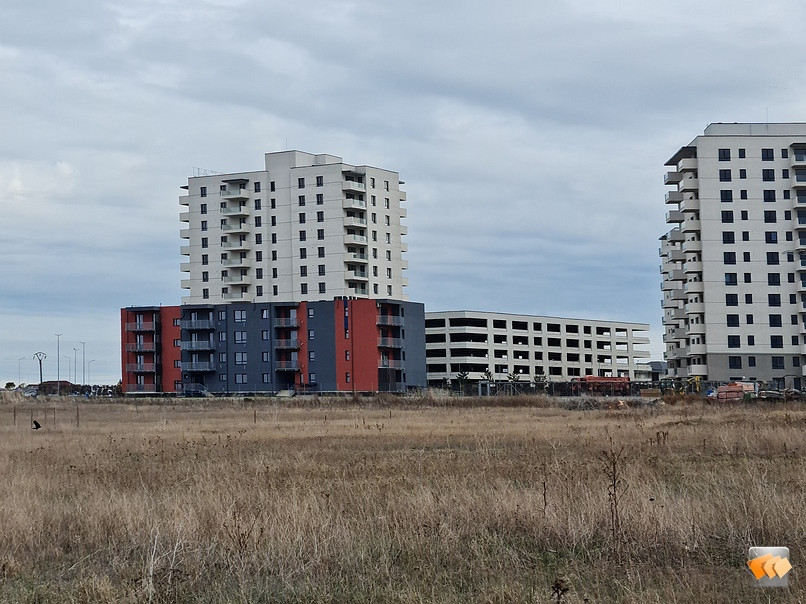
(335, 501)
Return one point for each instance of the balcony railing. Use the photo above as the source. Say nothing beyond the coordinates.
(390, 342)
(286, 366)
(198, 367)
(141, 326)
(390, 364)
(389, 320)
(197, 324)
(141, 387)
(141, 347)
(286, 344)
(198, 345)
(141, 367)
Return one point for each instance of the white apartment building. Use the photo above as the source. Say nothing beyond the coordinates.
(306, 227)
(527, 345)
(734, 261)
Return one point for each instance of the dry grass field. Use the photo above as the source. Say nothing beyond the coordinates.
(333, 501)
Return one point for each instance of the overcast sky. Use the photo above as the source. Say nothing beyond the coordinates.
(531, 136)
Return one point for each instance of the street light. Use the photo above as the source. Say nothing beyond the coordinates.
(89, 369)
(83, 364)
(75, 364)
(58, 368)
(19, 370)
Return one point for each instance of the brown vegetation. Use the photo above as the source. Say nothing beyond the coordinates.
(396, 501)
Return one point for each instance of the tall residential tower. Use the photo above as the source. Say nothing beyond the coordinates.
(734, 261)
(307, 227)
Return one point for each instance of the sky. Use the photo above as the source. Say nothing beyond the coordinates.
(531, 136)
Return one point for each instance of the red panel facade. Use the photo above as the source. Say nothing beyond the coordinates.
(357, 354)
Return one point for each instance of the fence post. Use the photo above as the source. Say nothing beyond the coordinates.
(15, 417)
(78, 422)
(54, 418)
(32, 418)
(254, 416)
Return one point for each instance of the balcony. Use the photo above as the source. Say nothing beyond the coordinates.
(241, 227)
(389, 320)
(677, 275)
(676, 256)
(184, 233)
(692, 245)
(687, 164)
(184, 216)
(185, 283)
(353, 186)
(235, 262)
(403, 212)
(141, 347)
(689, 184)
(699, 369)
(362, 258)
(674, 197)
(141, 326)
(669, 303)
(690, 205)
(198, 367)
(286, 365)
(288, 344)
(696, 328)
(197, 324)
(141, 387)
(184, 250)
(237, 280)
(239, 210)
(355, 221)
(356, 204)
(236, 245)
(668, 285)
(359, 239)
(695, 308)
(141, 367)
(390, 364)
(238, 296)
(678, 294)
(691, 225)
(390, 343)
(357, 275)
(696, 350)
(672, 178)
(694, 287)
(233, 193)
(692, 266)
(675, 236)
(184, 267)
(673, 216)
(198, 345)
(286, 322)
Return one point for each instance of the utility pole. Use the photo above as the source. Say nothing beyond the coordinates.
(58, 364)
(40, 356)
(83, 364)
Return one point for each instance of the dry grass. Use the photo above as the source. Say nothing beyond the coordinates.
(327, 501)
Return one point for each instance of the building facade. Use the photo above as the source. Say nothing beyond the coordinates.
(150, 362)
(342, 345)
(306, 227)
(734, 262)
(528, 346)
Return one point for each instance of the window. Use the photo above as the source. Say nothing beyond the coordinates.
(744, 214)
(731, 299)
(773, 258)
(274, 238)
(748, 298)
(726, 196)
(735, 362)
(303, 253)
(746, 256)
(258, 238)
(771, 237)
(301, 183)
(205, 276)
(311, 378)
(240, 378)
(266, 378)
(257, 187)
(728, 237)
(767, 155)
(777, 362)
(741, 153)
(310, 334)
(203, 225)
(320, 234)
(734, 342)
(724, 176)
(303, 288)
(274, 290)
(320, 199)
(274, 272)
(385, 185)
(303, 271)
(203, 208)
(733, 320)
(775, 320)
(274, 221)
(302, 236)
(773, 279)
(751, 340)
(320, 217)
(730, 279)
(748, 278)
(724, 155)
(769, 195)
(240, 337)
(774, 299)
(785, 174)
(311, 355)
(302, 200)
(389, 255)
(258, 221)
(322, 288)
(768, 175)
(321, 269)
(240, 358)
(320, 181)
(273, 203)
(204, 242)
(743, 194)
(258, 273)
(727, 216)
(205, 259)
(320, 252)
(203, 191)
(745, 235)
(784, 153)
(751, 361)
(742, 173)
(748, 319)
(769, 216)
(240, 316)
